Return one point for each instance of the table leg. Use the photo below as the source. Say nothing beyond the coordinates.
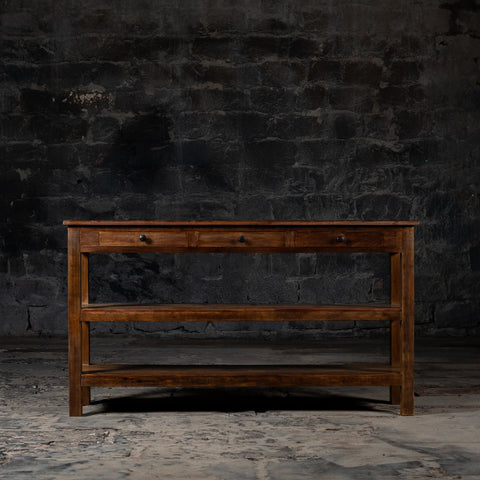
(408, 326)
(86, 359)
(74, 329)
(85, 326)
(395, 326)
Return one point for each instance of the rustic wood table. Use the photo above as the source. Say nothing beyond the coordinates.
(394, 238)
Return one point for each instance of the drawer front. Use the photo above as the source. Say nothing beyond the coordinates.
(140, 238)
(240, 239)
(349, 239)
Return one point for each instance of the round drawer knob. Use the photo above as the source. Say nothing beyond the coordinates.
(340, 239)
(143, 238)
(241, 239)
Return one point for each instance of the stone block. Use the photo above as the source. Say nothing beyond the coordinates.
(363, 73)
(208, 99)
(311, 98)
(403, 72)
(52, 318)
(352, 98)
(272, 100)
(14, 320)
(36, 292)
(325, 70)
(282, 73)
(456, 315)
(345, 126)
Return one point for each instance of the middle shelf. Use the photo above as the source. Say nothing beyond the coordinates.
(107, 312)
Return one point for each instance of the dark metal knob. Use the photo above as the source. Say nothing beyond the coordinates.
(143, 238)
(241, 239)
(340, 239)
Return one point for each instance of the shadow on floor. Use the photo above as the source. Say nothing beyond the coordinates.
(228, 401)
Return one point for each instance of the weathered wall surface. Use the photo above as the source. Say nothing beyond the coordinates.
(222, 109)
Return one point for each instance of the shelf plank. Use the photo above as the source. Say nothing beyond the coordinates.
(229, 312)
(239, 375)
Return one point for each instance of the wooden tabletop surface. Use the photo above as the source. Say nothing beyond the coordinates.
(228, 223)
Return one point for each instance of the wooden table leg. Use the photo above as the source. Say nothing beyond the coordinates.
(408, 327)
(85, 325)
(395, 326)
(86, 359)
(74, 330)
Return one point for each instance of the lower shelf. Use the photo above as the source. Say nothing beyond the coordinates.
(238, 375)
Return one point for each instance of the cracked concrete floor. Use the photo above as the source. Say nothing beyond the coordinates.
(308, 433)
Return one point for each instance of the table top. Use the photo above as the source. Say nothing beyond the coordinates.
(231, 223)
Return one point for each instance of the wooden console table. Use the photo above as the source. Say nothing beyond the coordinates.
(395, 238)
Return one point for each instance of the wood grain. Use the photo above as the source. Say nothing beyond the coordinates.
(239, 375)
(396, 289)
(74, 325)
(407, 328)
(112, 312)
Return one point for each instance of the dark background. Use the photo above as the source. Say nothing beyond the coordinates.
(240, 109)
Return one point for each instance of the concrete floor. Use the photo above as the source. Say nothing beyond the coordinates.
(308, 433)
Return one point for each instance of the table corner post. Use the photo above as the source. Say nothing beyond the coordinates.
(408, 324)
(74, 323)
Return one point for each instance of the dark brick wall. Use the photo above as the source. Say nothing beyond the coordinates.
(240, 109)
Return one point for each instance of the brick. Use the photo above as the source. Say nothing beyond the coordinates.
(203, 99)
(51, 318)
(262, 154)
(303, 48)
(311, 98)
(456, 315)
(272, 99)
(328, 205)
(289, 206)
(57, 129)
(289, 127)
(353, 98)
(363, 73)
(36, 291)
(252, 205)
(345, 126)
(282, 73)
(392, 95)
(316, 21)
(15, 320)
(325, 70)
(213, 47)
(409, 124)
(232, 20)
(131, 100)
(18, 23)
(258, 47)
(382, 207)
(221, 74)
(317, 153)
(381, 126)
(404, 72)
(270, 24)
(103, 129)
(10, 182)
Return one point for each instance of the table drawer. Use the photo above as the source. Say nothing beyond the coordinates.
(142, 238)
(348, 239)
(241, 239)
